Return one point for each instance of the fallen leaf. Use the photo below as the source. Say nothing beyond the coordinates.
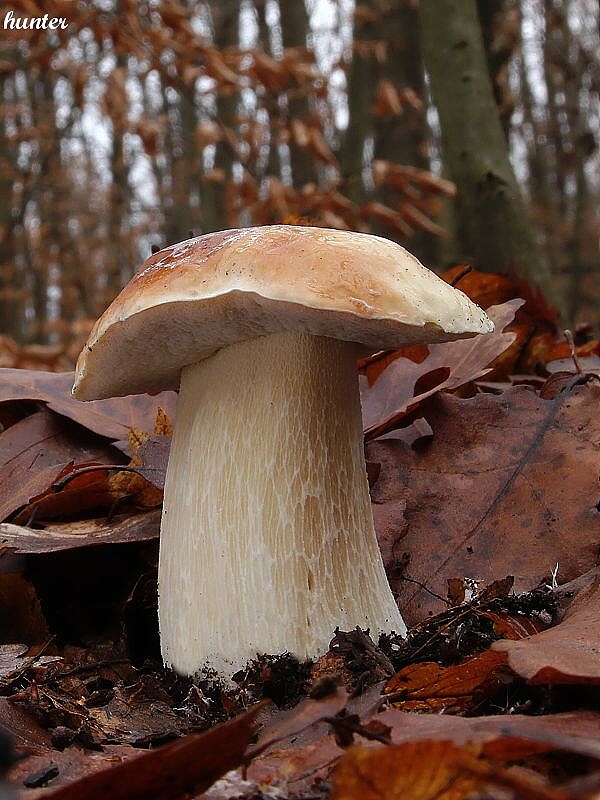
(110, 418)
(28, 735)
(304, 715)
(502, 736)
(129, 718)
(44, 438)
(427, 686)
(507, 485)
(154, 458)
(411, 771)
(568, 653)
(403, 384)
(87, 491)
(189, 765)
(430, 770)
(25, 483)
(79, 534)
(511, 626)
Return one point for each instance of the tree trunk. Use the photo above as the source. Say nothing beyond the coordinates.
(294, 30)
(362, 83)
(493, 223)
(11, 280)
(401, 138)
(226, 21)
(500, 27)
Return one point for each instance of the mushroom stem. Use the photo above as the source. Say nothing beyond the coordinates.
(267, 538)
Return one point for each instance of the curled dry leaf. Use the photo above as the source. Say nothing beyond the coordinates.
(167, 773)
(110, 418)
(82, 533)
(539, 338)
(389, 396)
(423, 770)
(428, 686)
(568, 653)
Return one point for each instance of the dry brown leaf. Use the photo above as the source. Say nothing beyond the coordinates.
(388, 100)
(388, 217)
(125, 773)
(403, 384)
(568, 653)
(411, 771)
(193, 763)
(109, 418)
(511, 626)
(83, 533)
(507, 485)
(428, 685)
(502, 736)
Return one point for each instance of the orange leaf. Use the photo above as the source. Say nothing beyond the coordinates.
(426, 770)
(433, 686)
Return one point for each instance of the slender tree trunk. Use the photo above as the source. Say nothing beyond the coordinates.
(11, 280)
(362, 84)
(119, 195)
(294, 28)
(401, 138)
(493, 222)
(500, 28)
(273, 161)
(554, 44)
(226, 21)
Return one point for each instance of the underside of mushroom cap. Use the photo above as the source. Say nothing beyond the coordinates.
(192, 299)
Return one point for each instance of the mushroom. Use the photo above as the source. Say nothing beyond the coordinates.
(267, 537)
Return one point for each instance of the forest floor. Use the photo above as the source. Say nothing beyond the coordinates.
(483, 460)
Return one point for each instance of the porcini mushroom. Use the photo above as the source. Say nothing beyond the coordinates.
(267, 538)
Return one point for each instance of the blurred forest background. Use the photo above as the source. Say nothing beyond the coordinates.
(145, 121)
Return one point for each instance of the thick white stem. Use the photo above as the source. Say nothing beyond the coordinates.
(267, 538)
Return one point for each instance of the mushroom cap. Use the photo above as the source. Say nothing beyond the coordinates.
(191, 299)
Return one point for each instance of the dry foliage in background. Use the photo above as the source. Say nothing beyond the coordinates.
(143, 121)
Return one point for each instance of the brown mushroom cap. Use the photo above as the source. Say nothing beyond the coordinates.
(191, 299)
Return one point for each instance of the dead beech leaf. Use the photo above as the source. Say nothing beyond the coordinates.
(23, 485)
(567, 653)
(291, 751)
(109, 418)
(45, 438)
(508, 485)
(82, 533)
(305, 714)
(167, 773)
(145, 484)
(512, 626)
(426, 686)
(129, 718)
(88, 490)
(412, 771)
(502, 736)
(403, 384)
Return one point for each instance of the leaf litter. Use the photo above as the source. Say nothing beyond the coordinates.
(485, 495)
